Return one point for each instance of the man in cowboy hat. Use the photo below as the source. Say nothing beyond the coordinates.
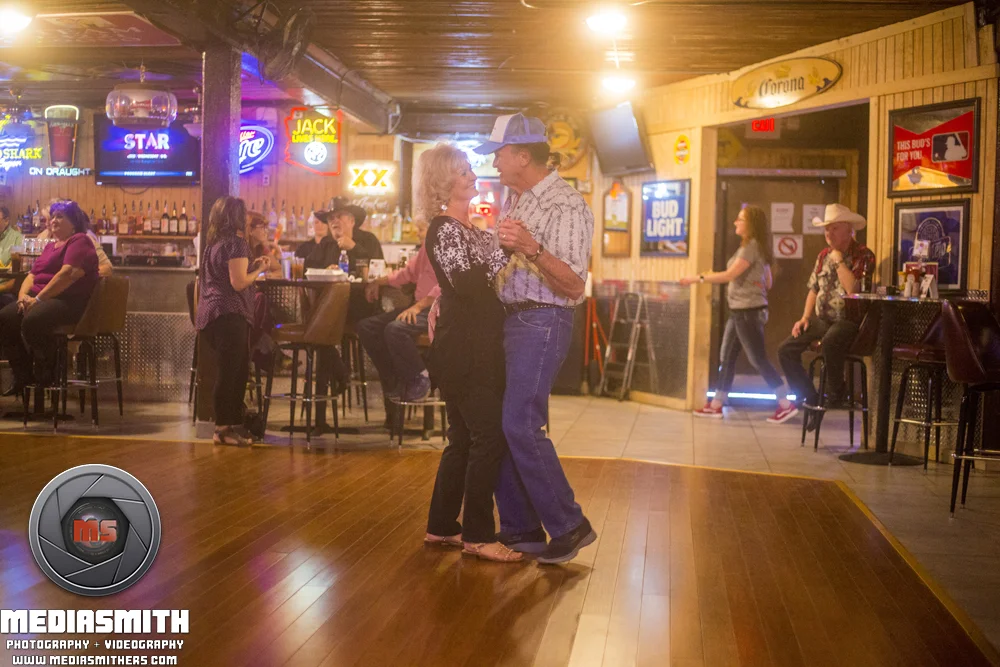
(546, 229)
(839, 271)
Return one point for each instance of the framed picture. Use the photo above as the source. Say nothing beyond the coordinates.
(617, 208)
(666, 209)
(617, 221)
(934, 149)
(935, 232)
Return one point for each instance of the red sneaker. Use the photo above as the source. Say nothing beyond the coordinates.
(709, 412)
(781, 415)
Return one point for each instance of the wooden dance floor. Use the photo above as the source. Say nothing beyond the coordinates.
(287, 557)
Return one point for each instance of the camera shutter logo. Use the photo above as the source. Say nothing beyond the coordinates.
(94, 530)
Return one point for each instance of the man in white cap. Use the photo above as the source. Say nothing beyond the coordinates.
(547, 229)
(840, 270)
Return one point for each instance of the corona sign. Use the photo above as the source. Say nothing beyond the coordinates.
(256, 143)
(313, 141)
(372, 178)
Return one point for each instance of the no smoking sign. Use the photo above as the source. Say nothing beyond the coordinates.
(788, 246)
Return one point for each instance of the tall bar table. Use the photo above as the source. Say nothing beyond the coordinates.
(890, 307)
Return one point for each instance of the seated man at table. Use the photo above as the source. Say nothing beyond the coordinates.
(9, 237)
(839, 271)
(389, 338)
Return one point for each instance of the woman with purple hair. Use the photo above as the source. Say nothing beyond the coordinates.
(55, 293)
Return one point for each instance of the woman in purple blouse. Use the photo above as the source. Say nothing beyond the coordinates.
(54, 294)
(225, 312)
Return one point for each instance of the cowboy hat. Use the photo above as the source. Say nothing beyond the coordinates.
(839, 213)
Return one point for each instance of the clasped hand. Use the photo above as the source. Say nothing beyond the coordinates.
(514, 236)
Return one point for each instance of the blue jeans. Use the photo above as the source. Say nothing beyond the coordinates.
(745, 330)
(532, 490)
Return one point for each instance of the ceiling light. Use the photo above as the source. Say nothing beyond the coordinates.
(617, 83)
(608, 22)
(13, 20)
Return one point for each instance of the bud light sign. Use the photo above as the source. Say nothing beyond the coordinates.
(666, 211)
(256, 143)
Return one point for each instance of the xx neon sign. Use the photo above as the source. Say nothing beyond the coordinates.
(372, 178)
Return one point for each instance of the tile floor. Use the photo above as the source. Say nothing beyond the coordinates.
(961, 554)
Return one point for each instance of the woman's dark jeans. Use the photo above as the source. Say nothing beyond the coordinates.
(469, 464)
(745, 331)
(24, 337)
(229, 337)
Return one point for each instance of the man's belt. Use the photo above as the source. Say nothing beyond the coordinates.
(520, 306)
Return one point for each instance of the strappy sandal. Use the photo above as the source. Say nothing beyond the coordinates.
(438, 540)
(493, 551)
(231, 436)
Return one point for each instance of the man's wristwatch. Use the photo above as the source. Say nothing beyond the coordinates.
(532, 258)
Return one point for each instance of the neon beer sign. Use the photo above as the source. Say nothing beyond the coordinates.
(256, 143)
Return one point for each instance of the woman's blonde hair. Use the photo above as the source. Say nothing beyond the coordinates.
(436, 173)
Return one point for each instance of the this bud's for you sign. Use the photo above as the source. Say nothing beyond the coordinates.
(666, 210)
(934, 148)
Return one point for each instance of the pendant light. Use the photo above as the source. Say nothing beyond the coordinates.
(141, 105)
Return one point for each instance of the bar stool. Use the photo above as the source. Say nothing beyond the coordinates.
(324, 328)
(863, 346)
(353, 355)
(927, 356)
(429, 403)
(112, 309)
(85, 327)
(972, 353)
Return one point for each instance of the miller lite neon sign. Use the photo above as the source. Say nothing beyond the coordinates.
(256, 143)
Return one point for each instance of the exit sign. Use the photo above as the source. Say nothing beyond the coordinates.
(765, 128)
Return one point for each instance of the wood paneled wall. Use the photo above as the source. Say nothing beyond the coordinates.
(934, 58)
(297, 187)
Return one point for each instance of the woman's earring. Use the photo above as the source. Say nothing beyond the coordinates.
(444, 207)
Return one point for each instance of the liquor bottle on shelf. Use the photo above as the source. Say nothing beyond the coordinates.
(272, 218)
(104, 219)
(114, 218)
(283, 219)
(133, 228)
(165, 220)
(155, 219)
(253, 206)
(147, 218)
(193, 221)
(140, 221)
(173, 220)
(300, 228)
(93, 223)
(182, 222)
(36, 218)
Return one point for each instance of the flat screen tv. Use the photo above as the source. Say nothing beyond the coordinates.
(127, 156)
(619, 141)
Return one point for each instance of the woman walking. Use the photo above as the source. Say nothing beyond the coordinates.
(225, 313)
(748, 274)
(467, 357)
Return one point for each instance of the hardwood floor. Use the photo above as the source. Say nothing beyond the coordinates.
(288, 557)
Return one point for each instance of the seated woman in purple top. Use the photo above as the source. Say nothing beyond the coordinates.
(225, 312)
(54, 294)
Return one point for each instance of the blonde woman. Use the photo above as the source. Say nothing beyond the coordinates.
(467, 357)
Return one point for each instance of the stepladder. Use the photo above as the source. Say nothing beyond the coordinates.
(630, 345)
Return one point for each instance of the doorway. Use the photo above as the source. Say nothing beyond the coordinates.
(803, 164)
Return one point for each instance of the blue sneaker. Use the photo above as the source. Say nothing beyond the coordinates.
(417, 389)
